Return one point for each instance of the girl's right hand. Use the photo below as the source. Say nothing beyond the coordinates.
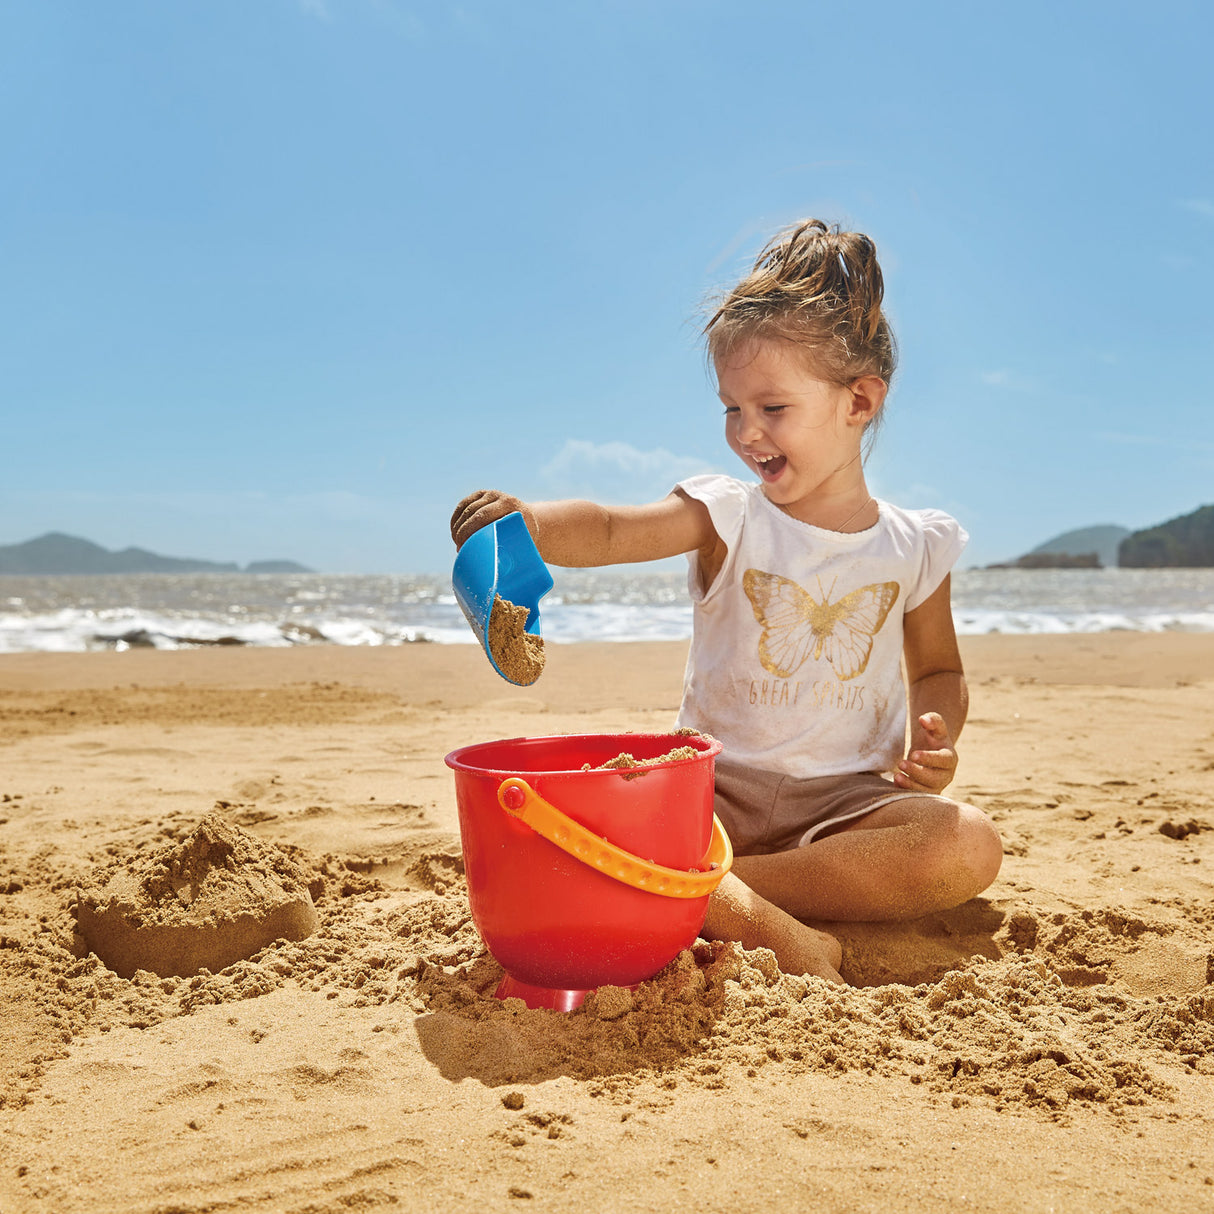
(483, 507)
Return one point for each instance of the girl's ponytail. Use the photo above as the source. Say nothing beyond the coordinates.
(820, 288)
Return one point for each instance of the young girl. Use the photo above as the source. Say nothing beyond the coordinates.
(810, 596)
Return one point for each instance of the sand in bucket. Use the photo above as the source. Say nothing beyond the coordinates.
(561, 925)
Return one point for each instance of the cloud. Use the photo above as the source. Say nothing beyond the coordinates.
(385, 13)
(336, 505)
(237, 525)
(1154, 440)
(887, 484)
(1199, 206)
(399, 19)
(1011, 380)
(1176, 261)
(616, 472)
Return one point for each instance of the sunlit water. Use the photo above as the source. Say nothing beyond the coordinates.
(174, 611)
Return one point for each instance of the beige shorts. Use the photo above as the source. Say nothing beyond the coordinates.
(766, 812)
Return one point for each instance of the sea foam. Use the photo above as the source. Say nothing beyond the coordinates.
(73, 614)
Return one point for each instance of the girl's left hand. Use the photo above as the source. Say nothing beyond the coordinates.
(932, 762)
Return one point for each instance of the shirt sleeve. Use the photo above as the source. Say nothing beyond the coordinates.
(944, 541)
(725, 497)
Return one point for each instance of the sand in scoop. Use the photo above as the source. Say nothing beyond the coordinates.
(519, 655)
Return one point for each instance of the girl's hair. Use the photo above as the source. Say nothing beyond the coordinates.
(818, 288)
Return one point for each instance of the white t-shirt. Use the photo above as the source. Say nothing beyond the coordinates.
(796, 652)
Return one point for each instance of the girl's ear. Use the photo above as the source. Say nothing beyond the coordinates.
(867, 397)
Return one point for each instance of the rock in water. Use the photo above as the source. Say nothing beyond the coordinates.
(217, 897)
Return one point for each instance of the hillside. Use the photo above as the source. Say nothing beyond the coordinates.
(1186, 542)
(56, 553)
(1085, 548)
(1102, 540)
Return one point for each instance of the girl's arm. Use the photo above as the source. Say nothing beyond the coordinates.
(937, 697)
(581, 534)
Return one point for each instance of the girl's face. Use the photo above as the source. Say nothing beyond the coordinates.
(799, 434)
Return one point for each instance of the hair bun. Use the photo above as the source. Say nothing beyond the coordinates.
(815, 284)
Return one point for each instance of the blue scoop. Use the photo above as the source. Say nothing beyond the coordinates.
(500, 559)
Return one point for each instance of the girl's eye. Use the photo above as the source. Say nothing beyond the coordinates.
(730, 410)
(774, 409)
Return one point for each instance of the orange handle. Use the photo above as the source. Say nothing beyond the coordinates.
(521, 801)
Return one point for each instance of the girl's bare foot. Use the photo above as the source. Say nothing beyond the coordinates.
(736, 912)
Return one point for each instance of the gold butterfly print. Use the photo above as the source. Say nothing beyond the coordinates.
(794, 623)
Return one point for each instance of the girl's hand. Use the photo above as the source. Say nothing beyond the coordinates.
(932, 762)
(483, 507)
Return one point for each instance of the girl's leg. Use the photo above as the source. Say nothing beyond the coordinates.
(902, 860)
(736, 912)
(905, 859)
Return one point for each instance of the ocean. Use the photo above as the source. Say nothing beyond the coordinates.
(76, 614)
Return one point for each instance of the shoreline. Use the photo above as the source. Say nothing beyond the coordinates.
(1129, 659)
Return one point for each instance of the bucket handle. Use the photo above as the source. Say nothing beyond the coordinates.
(521, 801)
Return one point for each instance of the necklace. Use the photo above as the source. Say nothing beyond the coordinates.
(854, 514)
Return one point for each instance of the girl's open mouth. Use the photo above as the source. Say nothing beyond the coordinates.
(771, 466)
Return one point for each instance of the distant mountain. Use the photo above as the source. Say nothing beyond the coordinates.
(1182, 543)
(56, 553)
(1087, 548)
(1102, 540)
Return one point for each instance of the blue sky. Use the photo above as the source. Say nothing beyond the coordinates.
(286, 278)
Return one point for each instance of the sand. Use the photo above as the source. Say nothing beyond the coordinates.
(627, 762)
(1047, 1046)
(218, 896)
(519, 654)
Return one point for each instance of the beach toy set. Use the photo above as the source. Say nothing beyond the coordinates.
(580, 876)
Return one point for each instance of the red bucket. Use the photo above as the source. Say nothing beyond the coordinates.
(582, 907)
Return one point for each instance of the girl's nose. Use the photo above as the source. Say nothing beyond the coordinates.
(749, 429)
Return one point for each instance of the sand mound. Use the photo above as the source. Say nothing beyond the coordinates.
(217, 897)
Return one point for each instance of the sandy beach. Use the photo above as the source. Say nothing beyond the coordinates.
(1049, 1046)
